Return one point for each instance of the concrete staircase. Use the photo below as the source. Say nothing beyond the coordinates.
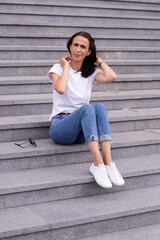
(47, 192)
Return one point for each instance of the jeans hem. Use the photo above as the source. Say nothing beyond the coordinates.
(93, 138)
(105, 138)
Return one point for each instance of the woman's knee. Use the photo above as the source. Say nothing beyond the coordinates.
(100, 107)
(88, 108)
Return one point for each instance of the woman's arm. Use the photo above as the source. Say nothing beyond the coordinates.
(108, 75)
(60, 82)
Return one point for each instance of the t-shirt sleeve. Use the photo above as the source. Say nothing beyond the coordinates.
(94, 74)
(57, 68)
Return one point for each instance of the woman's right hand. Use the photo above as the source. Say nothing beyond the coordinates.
(65, 60)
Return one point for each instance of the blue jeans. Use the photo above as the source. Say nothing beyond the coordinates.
(85, 124)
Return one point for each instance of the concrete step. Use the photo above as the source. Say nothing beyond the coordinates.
(78, 9)
(61, 27)
(49, 154)
(141, 2)
(151, 4)
(57, 14)
(39, 67)
(31, 14)
(33, 104)
(40, 84)
(131, 81)
(148, 232)
(26, 85)
(103, 6)
(34, 39)
(21, 127)
(47, 52)
(54, 211)
(82, 217)
(74, 180)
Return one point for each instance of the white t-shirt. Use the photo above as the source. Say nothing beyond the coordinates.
(77, 94)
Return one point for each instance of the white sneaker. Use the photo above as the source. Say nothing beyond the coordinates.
(100, 175)
(114, 174)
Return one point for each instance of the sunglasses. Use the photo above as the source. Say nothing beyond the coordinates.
(30, 140)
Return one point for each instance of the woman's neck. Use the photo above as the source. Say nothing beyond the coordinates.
(75, 65)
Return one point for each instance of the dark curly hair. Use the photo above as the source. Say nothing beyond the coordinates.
(88, 65)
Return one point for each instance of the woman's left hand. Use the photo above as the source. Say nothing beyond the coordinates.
(64, 60)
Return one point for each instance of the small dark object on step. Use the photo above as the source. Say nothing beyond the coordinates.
(30, 140)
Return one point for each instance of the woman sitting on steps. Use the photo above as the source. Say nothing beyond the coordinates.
(73, 119)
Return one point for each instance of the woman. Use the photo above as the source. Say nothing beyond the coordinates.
(73, 119)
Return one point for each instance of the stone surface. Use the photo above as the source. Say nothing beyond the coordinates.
(13, 220)
(74, 180)
(37, 126)
(78, 211)
(72, 174)
(59, 196)
(47, 146)
(151, 232)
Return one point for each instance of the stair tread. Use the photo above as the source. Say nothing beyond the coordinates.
(72, 174)
(74, 24)
(113, 62)
(43, 79)
(63, 3)
(66, 213)
(48, 147)
(68, 35)
(126, 114)
(150, 232)
(131, 94)
(143, 199)
(63, 48)
(87, 14)
(140, 76)
(25, 79)
(110, 95)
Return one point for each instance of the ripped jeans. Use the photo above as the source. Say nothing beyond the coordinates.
(85, 124)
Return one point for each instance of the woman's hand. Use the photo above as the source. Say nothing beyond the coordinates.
(65, 60)
(60, 82)
(98, 59)
(108, 75)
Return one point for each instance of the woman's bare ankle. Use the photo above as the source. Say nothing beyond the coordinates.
(107, 162)
(97, 162)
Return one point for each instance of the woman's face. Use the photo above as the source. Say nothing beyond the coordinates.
(79, 48)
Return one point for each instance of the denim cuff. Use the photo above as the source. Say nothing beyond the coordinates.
(105, 138)
(93, 138)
